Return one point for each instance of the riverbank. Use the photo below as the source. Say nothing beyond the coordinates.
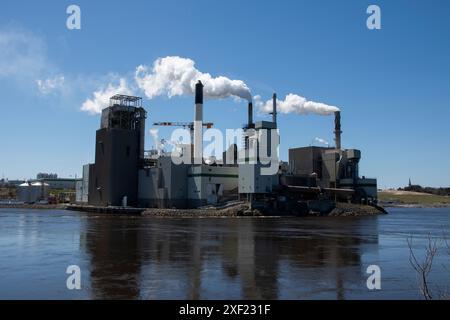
(33, 206)
(236, 210)
(355, 210)
(239, 209)
(243, 210)
(409, 199)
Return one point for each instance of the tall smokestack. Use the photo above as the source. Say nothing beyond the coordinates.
(198, 124)
(337, 129)
(250, 115)
(274, 108)
(199, 92)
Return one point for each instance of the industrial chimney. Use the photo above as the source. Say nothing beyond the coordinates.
(274, 110)
(337, 129)
(250, 115)
(198, 124)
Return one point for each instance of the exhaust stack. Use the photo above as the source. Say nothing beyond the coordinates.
(198, 124)
(250, 115)
(337, 129)
(274, 108)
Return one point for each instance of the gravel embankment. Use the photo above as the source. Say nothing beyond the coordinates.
(341, 209)
(354, 210)
(236, 210)
(231, 211)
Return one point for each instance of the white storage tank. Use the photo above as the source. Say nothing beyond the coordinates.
(23, 192)
(40, 191)
(33, 192)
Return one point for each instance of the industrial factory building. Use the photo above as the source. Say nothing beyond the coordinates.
(332, 168)
(119, 153)
(169, 185)
(54, 182)
(125, 175)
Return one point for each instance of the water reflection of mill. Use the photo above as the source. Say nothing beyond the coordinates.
(203, 258)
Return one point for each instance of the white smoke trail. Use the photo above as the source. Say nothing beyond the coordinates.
(175, 76)
(101, 97)
(49, 85)
(322, 141)
(155, 135)
(295, 104)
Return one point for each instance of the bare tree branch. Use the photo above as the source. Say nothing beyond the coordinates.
(424, 268)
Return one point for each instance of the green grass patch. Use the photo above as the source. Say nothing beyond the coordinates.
(426, 199)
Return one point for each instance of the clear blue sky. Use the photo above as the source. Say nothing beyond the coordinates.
(392, 85)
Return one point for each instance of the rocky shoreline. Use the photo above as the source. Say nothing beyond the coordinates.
(242, 210)
(414, 205)
(355, 210)
(33, 206)
(234, 210)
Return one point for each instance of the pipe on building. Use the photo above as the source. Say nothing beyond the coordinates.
(274, 108)
(143, 116)
(337, 129)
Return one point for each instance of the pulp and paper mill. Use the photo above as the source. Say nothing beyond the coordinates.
(124, 174)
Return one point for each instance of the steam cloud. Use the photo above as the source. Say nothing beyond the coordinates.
(101, 97)
(49, 85)
(295, 104)
(155, 135)
(323, 141)
(175, 76)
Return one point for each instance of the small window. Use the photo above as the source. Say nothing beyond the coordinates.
(128, 151)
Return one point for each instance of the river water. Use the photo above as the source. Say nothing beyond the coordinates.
(219, 258)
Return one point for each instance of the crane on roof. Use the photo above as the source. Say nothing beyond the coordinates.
(189, 125)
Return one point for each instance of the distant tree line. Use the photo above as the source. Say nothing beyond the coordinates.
(430, 190)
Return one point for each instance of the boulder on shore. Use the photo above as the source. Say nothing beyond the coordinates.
(353, 210)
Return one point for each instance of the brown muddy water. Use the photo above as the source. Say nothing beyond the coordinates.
(217, 258)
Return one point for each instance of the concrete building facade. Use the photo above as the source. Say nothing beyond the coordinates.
(332, 168)
(113, 180)
(164, 185)
(170, 185)
(209, 184)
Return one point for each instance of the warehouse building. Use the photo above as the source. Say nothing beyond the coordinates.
(59, 183)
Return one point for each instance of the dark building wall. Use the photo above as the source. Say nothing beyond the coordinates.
(306, 160)
(91, 183)
(116, 168)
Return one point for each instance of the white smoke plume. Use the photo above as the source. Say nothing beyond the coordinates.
(22, 54)
(100, 99)
(295, 104)
(176, 76)
(155, 135)
(49, 85)
(322, 141)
